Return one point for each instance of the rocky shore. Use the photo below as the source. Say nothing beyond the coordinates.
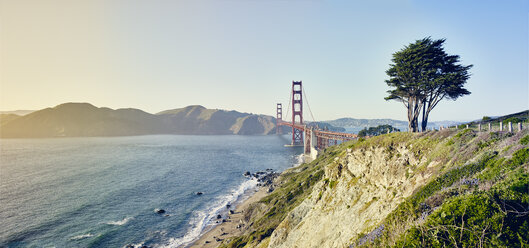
(233, 223)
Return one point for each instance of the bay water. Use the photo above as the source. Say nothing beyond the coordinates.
(103, 191)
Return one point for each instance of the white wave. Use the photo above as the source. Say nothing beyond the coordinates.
(201, 219)
(120, 222)
(300, 159)
(82, 236)
(151, 145)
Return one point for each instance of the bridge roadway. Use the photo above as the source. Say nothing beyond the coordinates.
(321, 133)
(315, 139)
(323, 138)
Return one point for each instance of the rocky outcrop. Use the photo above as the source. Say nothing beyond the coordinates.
(360, 188)
(399, 190)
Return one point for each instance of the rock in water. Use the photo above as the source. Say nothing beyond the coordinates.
(200, 193)
(159, 211)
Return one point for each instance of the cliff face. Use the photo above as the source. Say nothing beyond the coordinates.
(359, 189)
(394, 190)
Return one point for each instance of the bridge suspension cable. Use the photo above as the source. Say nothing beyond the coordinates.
(288, 108)
(308, 105)
(314, 138)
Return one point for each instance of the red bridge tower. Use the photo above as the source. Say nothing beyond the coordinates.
(297, 111)
(279, 118)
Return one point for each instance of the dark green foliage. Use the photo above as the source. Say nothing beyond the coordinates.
(512, 120)
(378, 130)
(444, 180)
(494, 218)
(520, 157)
(494, 136)
(525, 140)
(465, 133)
(485, 118)
(332, 184)
(423, 74)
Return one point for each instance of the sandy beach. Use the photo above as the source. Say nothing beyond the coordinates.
(229, 229)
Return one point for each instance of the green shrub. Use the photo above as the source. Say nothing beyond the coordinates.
(496, 218)
(464, 133)
(512, 120)
(332, 184)
(525, 140)
(520, 157)
(472, 220)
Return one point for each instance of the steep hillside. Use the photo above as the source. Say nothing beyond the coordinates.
(435, 189)
(81, 119)
(84, 119)
(5, 118)
(199, 120)
(17, 112)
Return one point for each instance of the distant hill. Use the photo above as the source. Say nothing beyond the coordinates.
(4, 118)
(521, 116)
(326, 126)
(18, 112)
(84, 119)
(197, 119)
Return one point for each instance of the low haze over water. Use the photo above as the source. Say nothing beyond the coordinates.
(102, 192)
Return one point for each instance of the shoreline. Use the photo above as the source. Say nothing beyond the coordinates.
(234, 225)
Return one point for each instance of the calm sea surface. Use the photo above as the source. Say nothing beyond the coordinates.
(102, 192)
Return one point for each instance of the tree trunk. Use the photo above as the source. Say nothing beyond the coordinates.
(412, 125)
(410, 114)
(424, 122)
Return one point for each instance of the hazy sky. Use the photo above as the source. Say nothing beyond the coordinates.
(243, 55)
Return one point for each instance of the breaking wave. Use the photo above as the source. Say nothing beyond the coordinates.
(204, 218)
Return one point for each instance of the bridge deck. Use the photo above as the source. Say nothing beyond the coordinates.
(321, 133)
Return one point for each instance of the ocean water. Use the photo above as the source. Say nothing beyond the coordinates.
(103, 192)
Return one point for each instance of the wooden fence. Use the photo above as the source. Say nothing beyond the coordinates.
(490, 127)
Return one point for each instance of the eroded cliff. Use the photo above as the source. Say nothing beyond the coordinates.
(373, 192)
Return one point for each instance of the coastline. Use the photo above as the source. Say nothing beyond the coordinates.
(235, 225)
(217, 234)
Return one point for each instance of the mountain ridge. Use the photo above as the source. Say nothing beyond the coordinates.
(87, 120)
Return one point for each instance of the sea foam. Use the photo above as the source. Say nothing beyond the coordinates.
(202, 219)
(82, 236)
(120, 222)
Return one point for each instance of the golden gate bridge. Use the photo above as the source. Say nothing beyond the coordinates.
(311, 137)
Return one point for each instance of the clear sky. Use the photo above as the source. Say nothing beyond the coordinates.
(244, 54)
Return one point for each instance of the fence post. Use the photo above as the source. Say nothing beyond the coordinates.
(479, 127)
(519, 126)
(467, 126)
(490, 127)
(510, 127)
(501, 126)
